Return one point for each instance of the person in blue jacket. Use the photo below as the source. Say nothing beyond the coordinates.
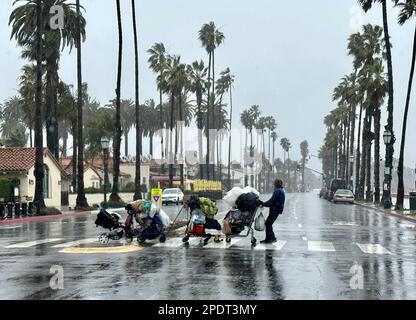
(276, 205)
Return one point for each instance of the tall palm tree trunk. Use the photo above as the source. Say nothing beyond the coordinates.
(390, 148)
(114, 197)
(39, 172)
(74, 155)
(251, 157)
(377, 118)
(126, 143)
(208, 124)
(137, 179)
(364, 155)
(358, 155)
(400, 187)
(368, 160)
(171, 159)
(81, 201)
(181, 143)
(229, 140)
(200, 128)
(213, 110)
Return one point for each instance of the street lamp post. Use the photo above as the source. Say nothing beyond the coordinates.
(105, 146)
(351, 173)
(387, 137)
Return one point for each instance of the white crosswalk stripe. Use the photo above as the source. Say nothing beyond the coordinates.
(75, 243)
(320, 246)
(373, 248)
(278, 245)
(222, 245)
(29, 244)
(176, 242)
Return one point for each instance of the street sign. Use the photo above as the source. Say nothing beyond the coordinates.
(156, 194)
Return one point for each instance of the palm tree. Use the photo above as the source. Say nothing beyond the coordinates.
(12, 115)
(210, 38)
(408, 10)
(39, 170)
(286, 145)
(225, 83)
(114, 197)
(81, 201)
(137, 180)
(173, 85)
(366, 5)
(23, 21)
(304, 151)
(247, 121)
(157, 61)
(197, 74)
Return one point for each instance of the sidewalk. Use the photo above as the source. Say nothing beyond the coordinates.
(65, 214)
(411, 216)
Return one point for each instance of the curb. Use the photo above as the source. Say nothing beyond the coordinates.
(41, 218)
(391, 213)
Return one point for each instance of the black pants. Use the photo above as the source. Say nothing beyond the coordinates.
(269, 226)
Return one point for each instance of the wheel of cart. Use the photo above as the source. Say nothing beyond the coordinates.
(162, 238)
(253, 239)
(185, 238)
(103, 238)
(228, 239)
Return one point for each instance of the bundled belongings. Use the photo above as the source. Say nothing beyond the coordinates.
(208, 206)
(232, 196)
(107, 220)
(247, 202)
(151, 221)
(201, 222)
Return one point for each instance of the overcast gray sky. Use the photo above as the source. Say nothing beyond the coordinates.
(287, 56)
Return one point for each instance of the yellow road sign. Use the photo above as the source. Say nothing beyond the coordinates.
(156, 195)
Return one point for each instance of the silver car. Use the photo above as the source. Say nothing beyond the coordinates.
(172, 195)
(343, 195)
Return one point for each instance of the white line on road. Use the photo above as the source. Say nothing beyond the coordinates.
(300, 225)
(278, 245)
(222, 245)
(29, 244)
(373, 248)
(320, 246)
(304, 239)
(176, 242)
(76, 243)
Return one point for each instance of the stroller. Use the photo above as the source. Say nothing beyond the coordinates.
(199, 223)
(241, 217)
(152, 227)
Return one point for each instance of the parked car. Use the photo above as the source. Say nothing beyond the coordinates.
(172, 195)
(336, 184)
(343, 195)
(322, 193)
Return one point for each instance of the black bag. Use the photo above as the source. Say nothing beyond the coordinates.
(106, 220)
(247, 202)
(193, 203)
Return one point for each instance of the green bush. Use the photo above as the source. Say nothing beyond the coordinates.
(5, 187)
(130, 187)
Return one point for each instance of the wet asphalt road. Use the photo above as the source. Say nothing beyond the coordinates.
(319, 243)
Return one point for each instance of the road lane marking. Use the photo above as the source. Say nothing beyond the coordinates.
(176, 242)
(320, 246)
(222, 245)
(75, 243)
(300, 225)
(373, 248)
(29, 244)
(87, 250)
(304, 239)
(278, 245)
